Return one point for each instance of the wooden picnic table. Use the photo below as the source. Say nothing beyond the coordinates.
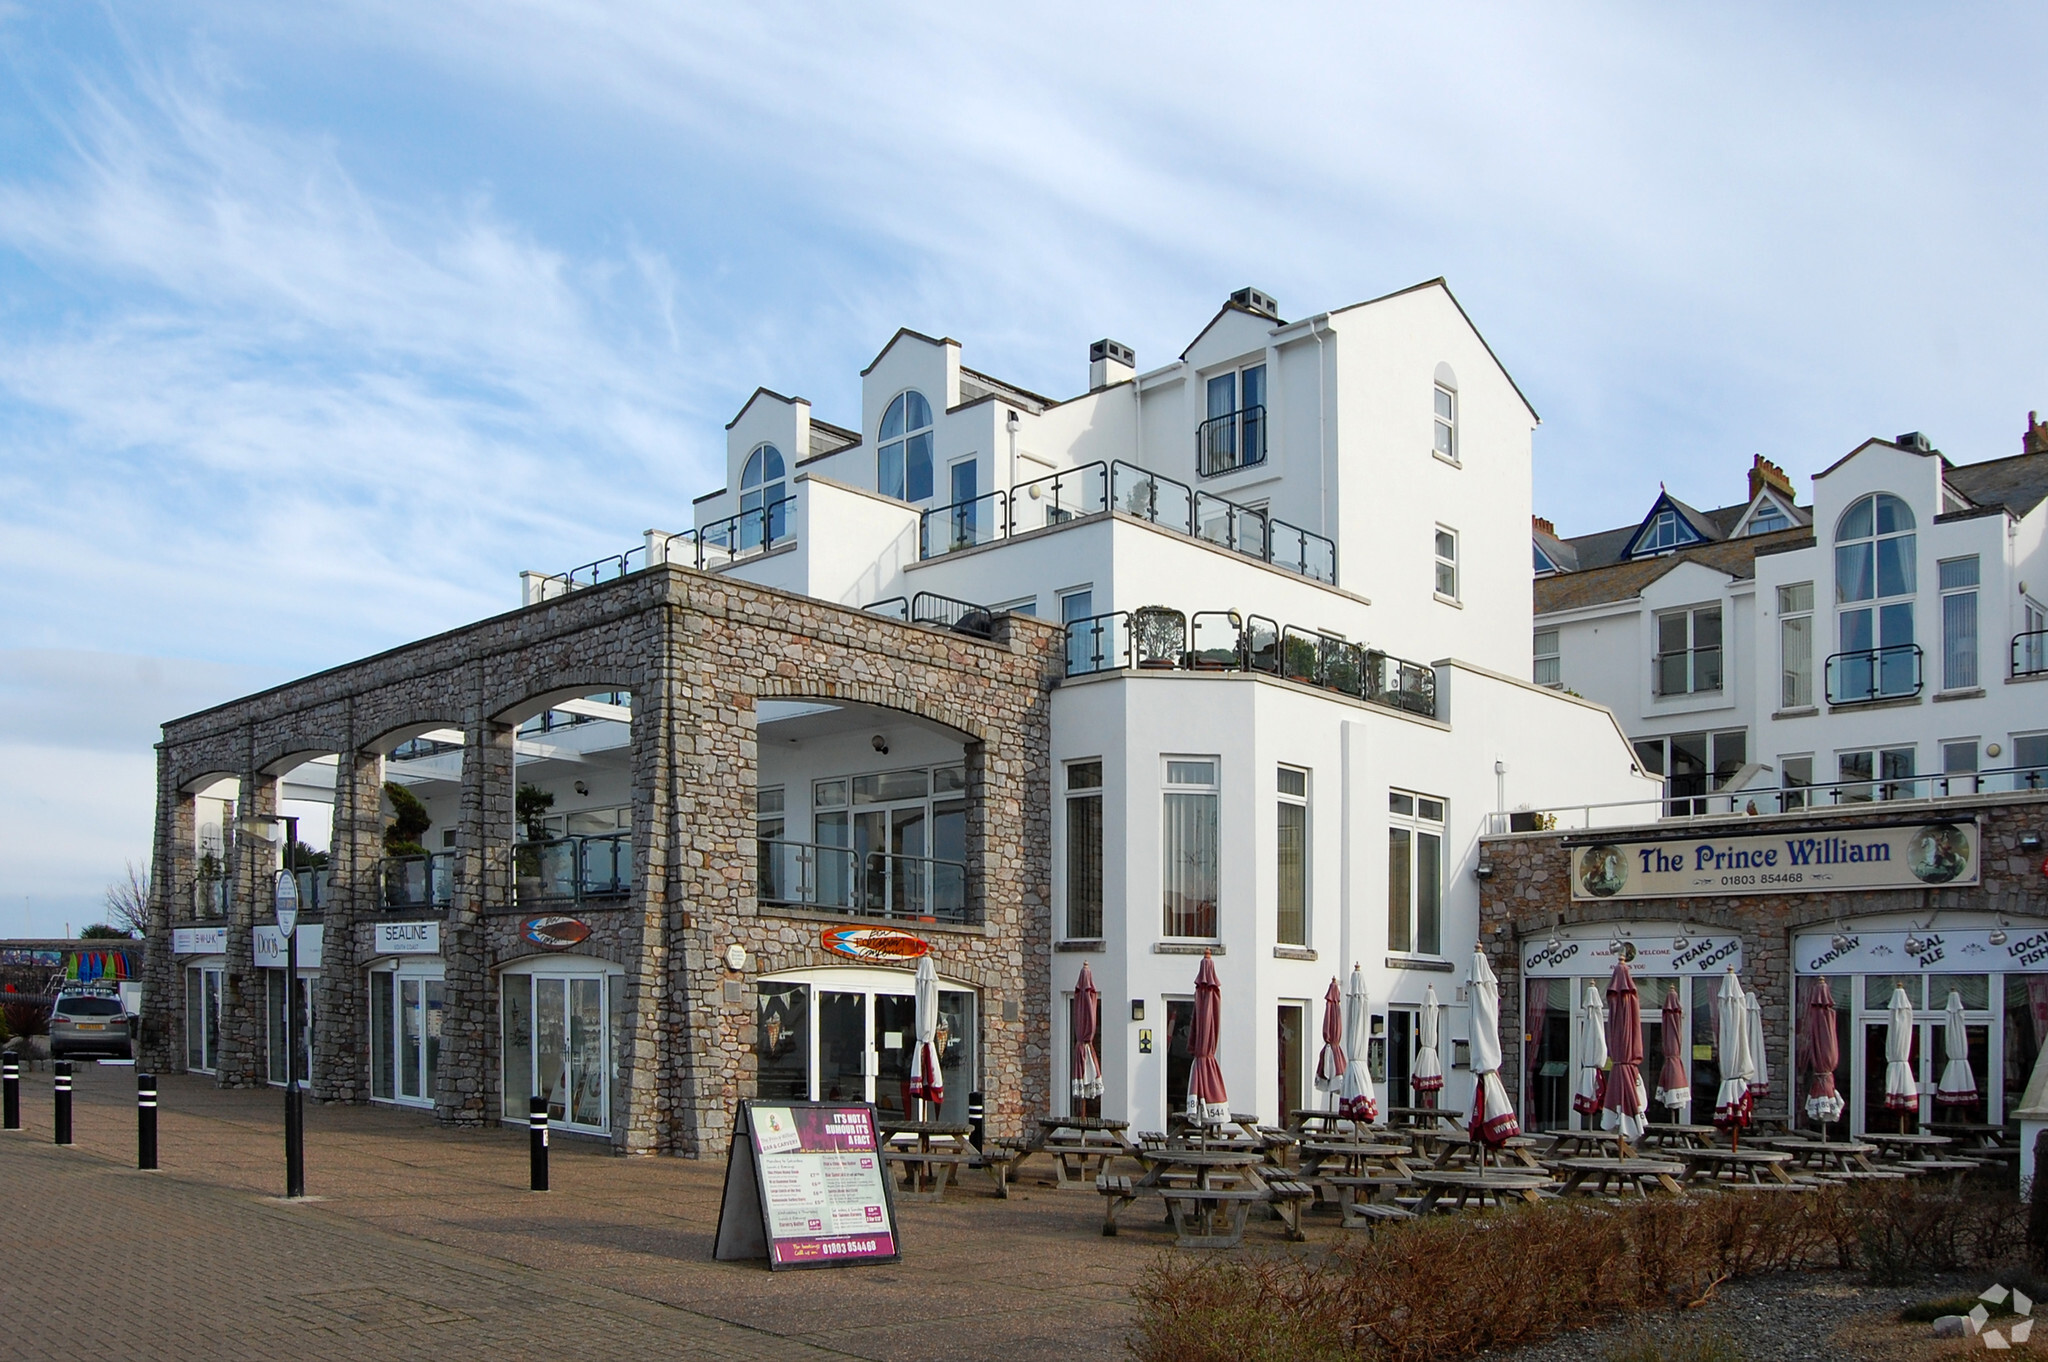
(1080, 1147)
(1351, 1157)
(1408, 1116)
(1470, 1182)
(1833, 1160)
(1739, 1165)
(1308, 1121)
(1577, 1143)
(1903, 1148)
(1672, 1135)
(1973, 1136)
(1637, 1173)
(1208, 1193)
(924, 1166)
(1455, 1146)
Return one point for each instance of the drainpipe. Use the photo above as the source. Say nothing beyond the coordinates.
(1322, 449)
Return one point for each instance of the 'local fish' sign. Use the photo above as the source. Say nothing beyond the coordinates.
(554, 932)
(875, 944)
(1899, 856)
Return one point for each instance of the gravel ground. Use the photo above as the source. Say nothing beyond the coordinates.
(1783, 1318)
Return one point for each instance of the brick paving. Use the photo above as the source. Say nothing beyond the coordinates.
(421, 1237)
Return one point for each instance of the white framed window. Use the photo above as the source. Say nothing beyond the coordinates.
(1446, 563)
(1666, 532)
(1189, 844)
(1234, 435)
(1084, 850)
(2030, 761)
(1689, 651)
(1795, 645)
(1879, 773)
(1446, 446)
(1769, 518)
(1549, 668)
(1795, 777)
(1958, 622)
(2030, 652)
(1090, 646)
(1874, 584)
(1291, 824)
(1693, 765)
(904, 459)
(1415, 873)
(764, 516)
(1959, 765)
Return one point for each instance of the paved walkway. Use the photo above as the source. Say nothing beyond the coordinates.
(421, 1240)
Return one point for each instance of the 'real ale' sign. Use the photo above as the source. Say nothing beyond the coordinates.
(1898, 856)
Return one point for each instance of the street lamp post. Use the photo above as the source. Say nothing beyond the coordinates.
(287, 904)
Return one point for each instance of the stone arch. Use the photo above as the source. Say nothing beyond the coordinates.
(278, 762)
(392, 737)
(529, 701)
(202, 778)
(914, 703)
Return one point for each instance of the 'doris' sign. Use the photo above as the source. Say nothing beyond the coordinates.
(1901, 856)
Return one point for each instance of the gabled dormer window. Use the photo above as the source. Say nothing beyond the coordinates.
(1665, 532)
(1768, 517)
(1544, 567)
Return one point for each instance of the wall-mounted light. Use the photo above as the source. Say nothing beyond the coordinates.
(2030, 841)
(581, 788)
(1484, 870)
(1137, 1009)
(880, 744)
(1998, 937)
(1841, 938)
(1679, 942)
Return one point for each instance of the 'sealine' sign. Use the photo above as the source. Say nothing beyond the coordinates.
(1700, 953)
(407, 938)
(1907, 856)
(876, 945)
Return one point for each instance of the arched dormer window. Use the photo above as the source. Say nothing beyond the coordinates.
(1875, 578)
(764, 511)
(904, 470)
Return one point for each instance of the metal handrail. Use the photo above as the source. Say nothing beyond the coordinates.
(962, 617)
(1253, 643)
(1052, 492)
(1725, 805)
(896, 607)
(865, 884)
(2036, 641)
(605, 569)
(1241, 529)
(411, 882)
(961, 525)
(1152, 497)
(1691, 670)
(1314, 556)
(1878, 665)
(574, 868)
(746, 535)
(1224, 444)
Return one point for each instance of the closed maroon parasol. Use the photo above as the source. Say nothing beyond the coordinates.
(1674, 1087)
(1087, 1085)
(1823, 1055)
(1331, 1060)
(1623, 1101)
(1208, 1103)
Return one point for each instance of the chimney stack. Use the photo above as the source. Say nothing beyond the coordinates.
(2036, 439)
(1110, 362)
(1252, 300)
(1763, 473)
(1537, 522)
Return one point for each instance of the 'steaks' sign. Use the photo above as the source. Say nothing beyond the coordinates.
(1908, 856)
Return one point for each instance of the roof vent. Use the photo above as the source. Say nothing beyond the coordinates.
(1110, 362)
(1255, 301)
(1913, 439)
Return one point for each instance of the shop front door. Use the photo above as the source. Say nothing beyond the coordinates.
(405, 1036)
(865, 1041)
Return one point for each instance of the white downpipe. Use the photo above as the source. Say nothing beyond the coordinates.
(1322, 439)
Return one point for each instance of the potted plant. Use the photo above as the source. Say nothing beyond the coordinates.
(1159, 636)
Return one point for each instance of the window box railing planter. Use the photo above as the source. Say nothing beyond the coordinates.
(417, 883)
(863, 884)
(2030, 653)
(1867, 675)
(573, 869)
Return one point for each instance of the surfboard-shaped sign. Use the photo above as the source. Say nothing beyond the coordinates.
(875, 944)
(555, 932)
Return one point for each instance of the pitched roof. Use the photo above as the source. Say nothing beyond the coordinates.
(1620, 581)
(2018, 483)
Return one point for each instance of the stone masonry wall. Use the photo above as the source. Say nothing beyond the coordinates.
(697, 652)
(1529, 891)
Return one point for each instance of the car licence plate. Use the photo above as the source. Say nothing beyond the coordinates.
(92, 1026)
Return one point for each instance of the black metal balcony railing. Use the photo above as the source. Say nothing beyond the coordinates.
(574, 868)
(1866, 675)
(2030, 653)
(963, 525)
(929, 607)
(1059, 497)
(417, 883)
(313, 885)
(864, 884)
(1234, 440)
(746, 535)
(1689, 671)
(1157, 638)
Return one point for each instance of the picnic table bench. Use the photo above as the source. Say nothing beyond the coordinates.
(923, 1165)
(1455, 1146)
(1671, 1135)
(1637, 1174)
(1738, 1165)
(1207, 1192)
(1468, 1183)
(1576, 1143)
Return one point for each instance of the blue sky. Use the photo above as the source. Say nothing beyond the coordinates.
(318, 324)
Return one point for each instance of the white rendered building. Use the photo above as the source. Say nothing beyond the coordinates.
(1884, 641)
(1244, 544)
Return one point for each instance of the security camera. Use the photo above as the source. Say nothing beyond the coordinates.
(880, 744)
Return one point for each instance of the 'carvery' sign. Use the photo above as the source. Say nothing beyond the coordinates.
(1907, 856)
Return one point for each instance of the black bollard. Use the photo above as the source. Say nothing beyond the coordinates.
(537, 1139)
(977, 1116)
(145, 1120)
(10, 1079)
(62, 1071)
